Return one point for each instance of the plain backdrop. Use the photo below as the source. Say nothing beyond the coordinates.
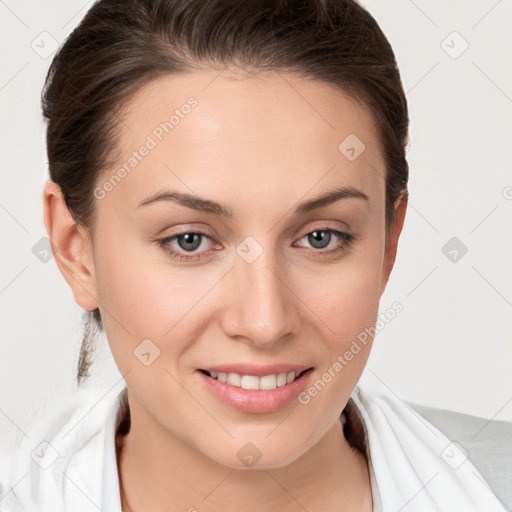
(450, 347)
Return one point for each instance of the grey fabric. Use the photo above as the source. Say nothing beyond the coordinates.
(487, 443)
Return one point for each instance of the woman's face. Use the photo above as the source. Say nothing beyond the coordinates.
(273, 281)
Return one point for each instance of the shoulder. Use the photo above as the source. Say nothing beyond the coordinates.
(486, 443)
(64, 447)
(464, 459)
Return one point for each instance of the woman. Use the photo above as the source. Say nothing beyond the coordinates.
(228, 185)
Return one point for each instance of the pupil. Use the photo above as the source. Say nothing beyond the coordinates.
(317, 239)
(191, 241)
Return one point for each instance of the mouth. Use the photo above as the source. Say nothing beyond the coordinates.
(253, 389)
(264, 382)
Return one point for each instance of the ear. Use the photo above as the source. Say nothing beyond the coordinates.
(392, 239)
(72, 247)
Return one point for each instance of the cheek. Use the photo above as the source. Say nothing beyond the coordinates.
(131, 297)
(346, 297)
(350, 301)
(346, 311)
(142, 297)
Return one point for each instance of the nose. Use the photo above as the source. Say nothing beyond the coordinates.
(261, 308)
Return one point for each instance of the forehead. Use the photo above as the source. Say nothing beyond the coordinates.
(210, 130)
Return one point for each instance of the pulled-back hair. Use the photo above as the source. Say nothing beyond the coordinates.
(121, 45)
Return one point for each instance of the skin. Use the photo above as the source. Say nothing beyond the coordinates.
(259, 145)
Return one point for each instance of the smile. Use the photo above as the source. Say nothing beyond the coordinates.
(255, 389)
(265, 382)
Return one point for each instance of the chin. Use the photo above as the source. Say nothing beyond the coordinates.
(256, 455)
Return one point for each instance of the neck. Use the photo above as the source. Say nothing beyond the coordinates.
(159, 472)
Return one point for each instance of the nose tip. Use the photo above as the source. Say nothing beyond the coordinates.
(261, 309)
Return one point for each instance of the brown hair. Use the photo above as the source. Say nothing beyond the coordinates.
(121, 45)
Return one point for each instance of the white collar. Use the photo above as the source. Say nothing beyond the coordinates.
(110, 495)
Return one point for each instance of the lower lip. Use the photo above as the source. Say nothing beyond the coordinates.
(257, 401)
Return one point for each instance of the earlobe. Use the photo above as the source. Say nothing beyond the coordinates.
(392, 239)
(72, 247)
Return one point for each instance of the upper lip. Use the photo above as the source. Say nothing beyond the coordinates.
(257, 370)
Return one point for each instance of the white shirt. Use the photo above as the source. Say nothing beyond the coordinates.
(68, 462)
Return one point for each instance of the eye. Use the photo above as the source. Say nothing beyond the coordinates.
(192, 245)
(184, 246)
(321, 239)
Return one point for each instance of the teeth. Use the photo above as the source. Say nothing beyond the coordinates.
(234, 379)
(250, 382)
(266, 382)
(281, 380)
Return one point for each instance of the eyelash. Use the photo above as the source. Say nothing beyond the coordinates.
(347, 239)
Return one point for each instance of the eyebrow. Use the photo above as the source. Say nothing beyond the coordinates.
(211, 207)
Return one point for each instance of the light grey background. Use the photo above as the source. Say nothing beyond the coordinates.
(450, 347)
